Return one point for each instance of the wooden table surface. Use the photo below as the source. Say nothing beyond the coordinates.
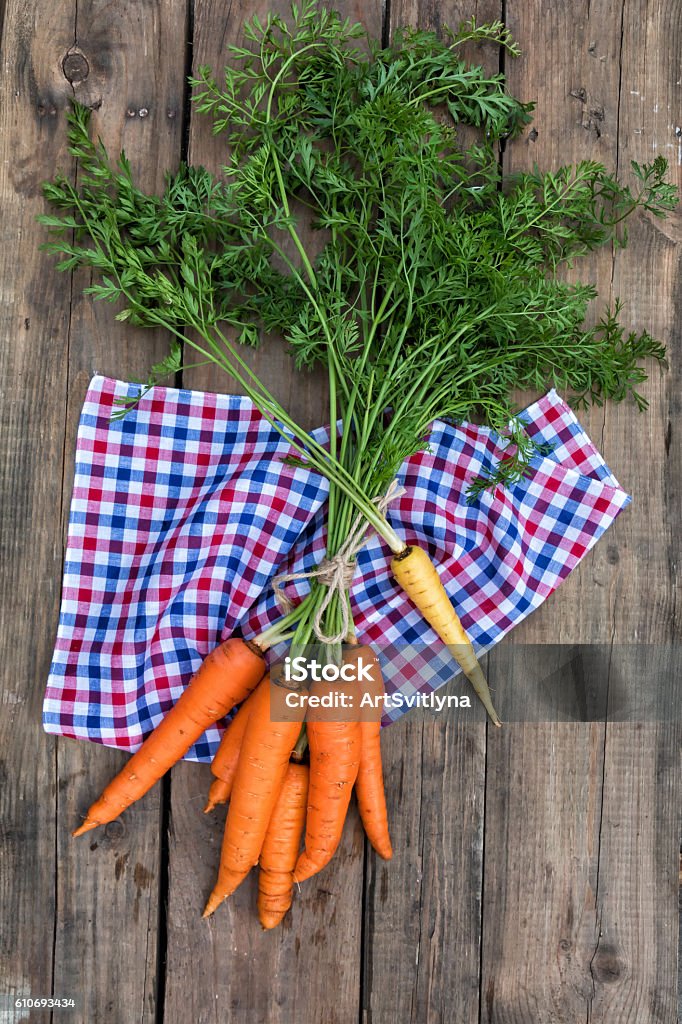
(536, 871)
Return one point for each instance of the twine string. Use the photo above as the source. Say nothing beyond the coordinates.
(336, 574)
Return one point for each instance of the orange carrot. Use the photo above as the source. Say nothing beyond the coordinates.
(225, 678)
(280, 847)
(369, 785)
(334, 762)
(224, 763)
(261, 768)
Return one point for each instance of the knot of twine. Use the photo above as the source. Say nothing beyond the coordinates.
(336, 574)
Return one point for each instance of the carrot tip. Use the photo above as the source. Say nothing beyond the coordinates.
(209, 807)
(269, 921)
(87, 826)
(214, 901)
(304, 870)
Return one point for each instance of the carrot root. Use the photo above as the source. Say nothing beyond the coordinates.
(219, 793)
(261, 769)
(417, 575)
(334, 764)
(226, 757)
(275, 894)
(225, 678)
(87, 826)
(281, 846)
(369, 785)
(227, 883)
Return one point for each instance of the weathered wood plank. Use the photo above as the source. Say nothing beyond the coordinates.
(308, 969)
(543, 812)
(634, 967)
(82, 896)
(581, 844)
(542, 823)
(34, 317)
(422, 923)
(434, 15)
(579, 923)
(569, 68)
(647, 276)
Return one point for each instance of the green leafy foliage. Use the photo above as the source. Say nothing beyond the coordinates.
(431, 287)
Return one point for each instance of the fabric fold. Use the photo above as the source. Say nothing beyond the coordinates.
(183, 511)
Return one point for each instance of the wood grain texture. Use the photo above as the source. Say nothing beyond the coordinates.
(307, 969)
(423, 909)
(648, 276)
(434, 15)
(75, 901)
(542, 827)
(597, 913)
(536, 867)
(634, 966)
(108, 884)
(540, 871)
(34, 316)
(585, 66)
(570, 69)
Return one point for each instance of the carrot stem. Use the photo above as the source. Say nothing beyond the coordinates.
(299, 750)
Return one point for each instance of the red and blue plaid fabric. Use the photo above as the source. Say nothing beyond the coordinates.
(184, 511)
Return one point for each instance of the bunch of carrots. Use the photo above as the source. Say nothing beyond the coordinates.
(274, 796)
(436, 295)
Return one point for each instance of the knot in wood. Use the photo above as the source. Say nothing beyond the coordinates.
(115, 829)
(75, 67)
(606, 966)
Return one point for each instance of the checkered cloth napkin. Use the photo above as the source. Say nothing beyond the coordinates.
(184, 511)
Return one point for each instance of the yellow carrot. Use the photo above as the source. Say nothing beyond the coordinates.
(417, 575)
